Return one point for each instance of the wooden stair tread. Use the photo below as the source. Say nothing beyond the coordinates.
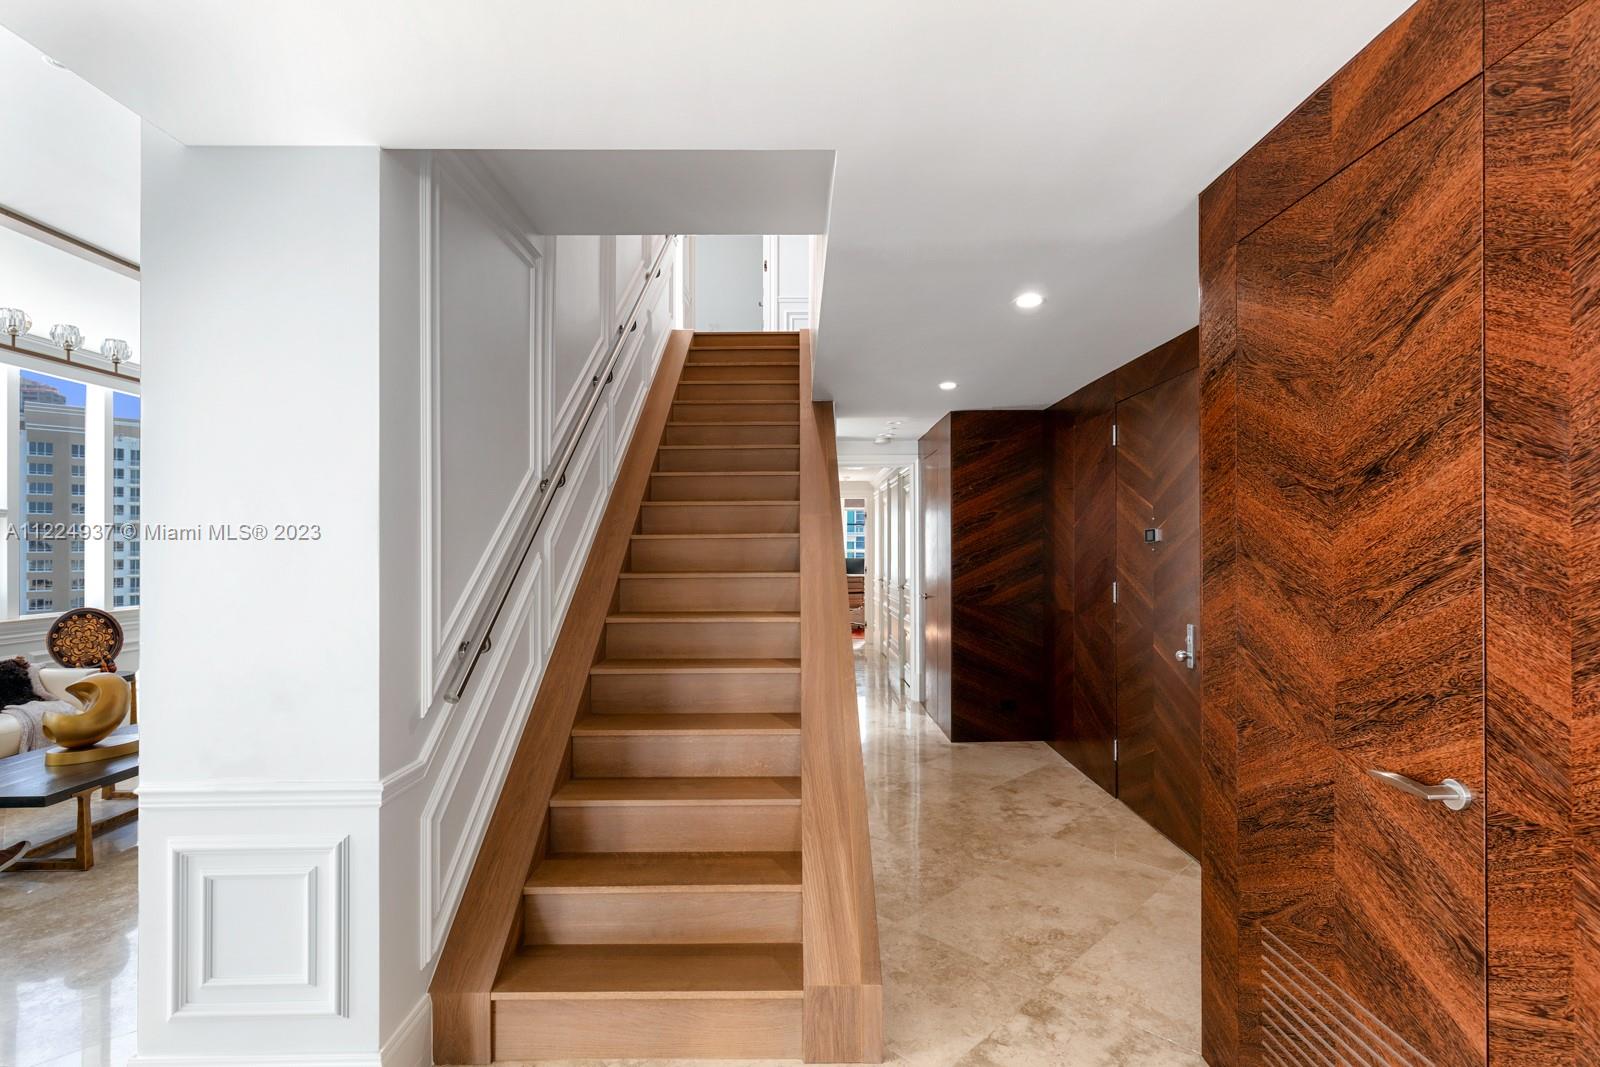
(716, 536)
(704, 616)
(595, 792)
(726, 448)
(752, 422)
(745, 363)
(700, 723)
(790, 503)
(708, 574)
(665, 872)
(657, 971)
(745, 381)
(696, 666)
(721, 474)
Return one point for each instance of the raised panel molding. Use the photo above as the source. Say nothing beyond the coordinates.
(447, 857)
(571, 520)
(563, 399)
(794, 312)
(444, 624)
(260, 927)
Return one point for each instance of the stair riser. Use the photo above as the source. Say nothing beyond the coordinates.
(712, 554)
(761, 338)
(687, 756)
(743, 518)
(725, 487)
(702, 640)
(647, 1029)
(735, 412)
(751, 917)
(675, 828)
(645, 694)
(731, 435)
(729, 459)
(710, 594)
(741, 392)
(744, 370)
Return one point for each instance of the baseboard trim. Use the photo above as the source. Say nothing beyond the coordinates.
(411, 1044)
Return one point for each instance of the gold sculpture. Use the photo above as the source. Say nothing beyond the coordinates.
(105, 704)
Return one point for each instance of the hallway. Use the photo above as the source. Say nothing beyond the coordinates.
(1026, 916)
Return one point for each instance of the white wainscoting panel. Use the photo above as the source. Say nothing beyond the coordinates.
(482, 348)
(462, 797)
(581, 332)
(260, 926)
(569, 525)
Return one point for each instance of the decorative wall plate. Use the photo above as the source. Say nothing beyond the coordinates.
(84, 637)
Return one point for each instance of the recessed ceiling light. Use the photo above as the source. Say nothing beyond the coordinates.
(1029, 300)
(894, 422)
(883, 438)
(56, 63)
(947, 386)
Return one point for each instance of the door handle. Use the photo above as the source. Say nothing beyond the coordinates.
(1451, 793)
(1185, 654)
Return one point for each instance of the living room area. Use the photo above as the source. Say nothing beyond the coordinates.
(70, 566)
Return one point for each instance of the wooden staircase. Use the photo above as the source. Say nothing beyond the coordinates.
(663, 915)
(639, 891)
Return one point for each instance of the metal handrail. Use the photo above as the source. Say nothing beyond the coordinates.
(480, 633)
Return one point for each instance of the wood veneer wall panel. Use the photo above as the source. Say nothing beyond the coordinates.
(1357, 504)
(1058, 621)
(1424, 56)
(1508, 24)
(1542, 531)
(1218, 644)
(1162, 363)
(997, 572)
(1093, 567)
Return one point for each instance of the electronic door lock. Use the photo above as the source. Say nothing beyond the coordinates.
(1152, 535)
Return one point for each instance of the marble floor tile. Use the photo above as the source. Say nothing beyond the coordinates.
(1027, 918)
(69, 962)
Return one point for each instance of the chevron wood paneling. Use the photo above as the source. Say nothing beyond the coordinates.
(997, 522)
(1429, 52)
(1158, 697)
(1542, 551)
(1084, 722)
(1218, 645)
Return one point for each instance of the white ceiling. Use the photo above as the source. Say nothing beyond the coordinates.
(981, 148)
(70, 153)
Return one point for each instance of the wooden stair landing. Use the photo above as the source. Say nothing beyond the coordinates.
(664, 916)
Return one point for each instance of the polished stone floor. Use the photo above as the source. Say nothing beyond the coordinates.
(68, 947)
(1026, 917)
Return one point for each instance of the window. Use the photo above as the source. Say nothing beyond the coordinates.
(118, 583)
(76, 413)
(118, 491)
(855, 530)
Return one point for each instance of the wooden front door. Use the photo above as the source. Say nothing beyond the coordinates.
(1358, 506)
(1158, 581)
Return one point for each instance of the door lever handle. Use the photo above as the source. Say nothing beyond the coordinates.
(1451, 793)
(1185, 655)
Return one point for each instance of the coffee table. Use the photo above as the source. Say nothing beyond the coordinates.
(25, 782)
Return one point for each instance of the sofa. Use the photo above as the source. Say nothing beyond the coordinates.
(54, 681)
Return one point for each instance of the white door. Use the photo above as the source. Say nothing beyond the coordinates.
(728, 284)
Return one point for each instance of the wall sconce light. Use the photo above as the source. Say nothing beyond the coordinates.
(14, 321)
(66, 337)
(117, 351)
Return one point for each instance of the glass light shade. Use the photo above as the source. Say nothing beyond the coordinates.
(64, 335)
(116, 350)
(15, 321)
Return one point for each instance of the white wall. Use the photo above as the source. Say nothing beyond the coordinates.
(407, 357)
(728, 283)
